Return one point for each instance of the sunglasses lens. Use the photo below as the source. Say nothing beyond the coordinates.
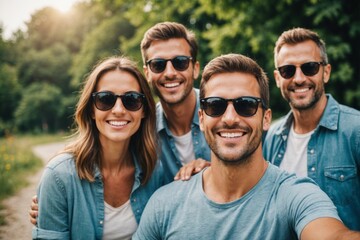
(157, 65)
(132, 101)
(246, 106)
(214, 106)
(104, 100)
(181, 63)
(287, 71)
(310, 68)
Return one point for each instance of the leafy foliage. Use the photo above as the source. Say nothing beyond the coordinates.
(44, 65)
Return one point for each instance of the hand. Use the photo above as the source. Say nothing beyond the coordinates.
(191, 168)
(33, 212)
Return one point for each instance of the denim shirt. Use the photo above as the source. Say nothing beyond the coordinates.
(169, 155)
(333, 156)
(70, 208)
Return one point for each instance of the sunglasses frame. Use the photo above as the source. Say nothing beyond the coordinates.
(188, 59)
(140, 95)
(203, 105)
(301, 67)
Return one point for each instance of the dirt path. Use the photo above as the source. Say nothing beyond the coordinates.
(17, 207)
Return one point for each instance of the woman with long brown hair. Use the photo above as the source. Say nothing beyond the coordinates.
(98, 186)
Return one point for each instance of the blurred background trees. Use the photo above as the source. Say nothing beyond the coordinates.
(42, 68)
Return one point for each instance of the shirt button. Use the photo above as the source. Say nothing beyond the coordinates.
(313, 169)
(134, 199)
(279, 155)
(196, 142)
(342, 177)
(101, 222)
(312, 151)
(138, 211)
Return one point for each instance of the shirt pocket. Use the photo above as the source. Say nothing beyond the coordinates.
(340, 182)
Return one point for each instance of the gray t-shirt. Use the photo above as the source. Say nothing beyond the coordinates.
(278, 207)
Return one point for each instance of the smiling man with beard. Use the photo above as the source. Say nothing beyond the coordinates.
(319, 138)
(241, 195)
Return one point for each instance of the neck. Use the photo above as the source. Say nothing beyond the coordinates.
(307, 120)
(116, 158)
(225, 183)
(179, 116)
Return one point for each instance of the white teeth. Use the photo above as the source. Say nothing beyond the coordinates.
(302, 90)
(118, 123)
(231, 135)
(170, 85)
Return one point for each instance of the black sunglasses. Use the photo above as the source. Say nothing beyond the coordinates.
(158, 65)
(244, 106)
(309, 69)
(106, 100)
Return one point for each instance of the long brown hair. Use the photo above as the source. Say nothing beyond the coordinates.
(86, 147)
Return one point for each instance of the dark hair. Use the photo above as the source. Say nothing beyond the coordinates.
(232, 63)
(166, 31)
(299, 35)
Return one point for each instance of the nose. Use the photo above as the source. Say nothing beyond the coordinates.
(170, 72)
(299, 76)
(230, 115)
(118, 107)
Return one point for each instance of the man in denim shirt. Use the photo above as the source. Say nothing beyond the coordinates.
(319, 137)
(169, 54)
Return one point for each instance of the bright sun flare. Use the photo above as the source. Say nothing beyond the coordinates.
(61, 5)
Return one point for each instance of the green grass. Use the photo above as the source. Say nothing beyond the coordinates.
(17, 161)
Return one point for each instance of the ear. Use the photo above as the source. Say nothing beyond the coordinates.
(196, 69)
(146, 73)
(327, 72)
(201, 119)
(142, 112)
(267, 119)
(277, 78)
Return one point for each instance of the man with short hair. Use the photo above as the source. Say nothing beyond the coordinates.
(169, 53)
(319, 137)
(241, 196)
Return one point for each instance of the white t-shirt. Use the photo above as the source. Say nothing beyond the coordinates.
(295, 157)
(185, 147)
(120, 222)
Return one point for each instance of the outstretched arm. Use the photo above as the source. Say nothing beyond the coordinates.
(328, 228)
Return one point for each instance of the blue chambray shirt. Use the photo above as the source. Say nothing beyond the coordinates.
(70, 208)
(169, 154)
(333, 155)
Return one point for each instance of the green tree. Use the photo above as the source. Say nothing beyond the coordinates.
(102, 42)
(40, 108)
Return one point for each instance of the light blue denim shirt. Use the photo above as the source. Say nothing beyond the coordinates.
(333, 156)
(169, 154)
(70, 208)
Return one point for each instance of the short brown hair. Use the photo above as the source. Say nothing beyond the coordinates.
(299, 35)
(166, 31)
(232, 63)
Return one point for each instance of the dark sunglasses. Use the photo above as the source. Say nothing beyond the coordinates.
(158, 65)
(309, 69)
(104, 101)
(244, 106)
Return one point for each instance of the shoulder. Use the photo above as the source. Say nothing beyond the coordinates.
(62, 165)
(177, 189)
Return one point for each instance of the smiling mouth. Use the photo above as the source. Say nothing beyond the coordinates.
(171, 85)
(118, 123)
(301, 90)
(231, 134)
